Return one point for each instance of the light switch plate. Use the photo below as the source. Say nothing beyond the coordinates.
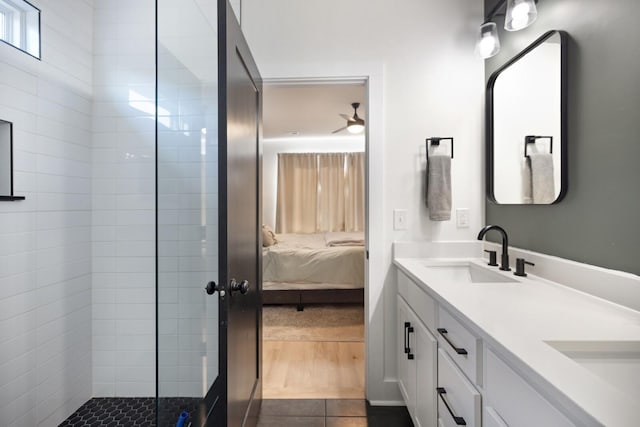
(399, 219)
(462, 217)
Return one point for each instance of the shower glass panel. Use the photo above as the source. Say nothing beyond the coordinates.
(187, 204)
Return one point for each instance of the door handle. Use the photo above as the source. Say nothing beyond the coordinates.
(242, 287)
(212, 287)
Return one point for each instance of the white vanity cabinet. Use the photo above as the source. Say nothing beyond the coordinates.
(455, 379)
(417, 364)
(510, 400)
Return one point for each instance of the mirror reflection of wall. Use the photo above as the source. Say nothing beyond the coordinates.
(527, 101)
(5, 158)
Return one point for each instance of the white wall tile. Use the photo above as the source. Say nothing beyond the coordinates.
(123, 198)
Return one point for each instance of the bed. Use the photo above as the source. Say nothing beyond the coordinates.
(314, 268)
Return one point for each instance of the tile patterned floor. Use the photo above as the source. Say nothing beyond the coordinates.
(121, 412)
(330, 413)
(129, 411)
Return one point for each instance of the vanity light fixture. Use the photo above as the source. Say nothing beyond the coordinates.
(488, 43)
(519, 14)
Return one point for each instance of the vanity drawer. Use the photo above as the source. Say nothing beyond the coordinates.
(421, 303)
(456, 392)
(463, 347)
(490, 418)
(516, 401)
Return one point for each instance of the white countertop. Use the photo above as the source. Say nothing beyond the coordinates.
(517, 319)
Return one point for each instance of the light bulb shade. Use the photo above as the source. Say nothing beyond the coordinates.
(488, 44)
(520, 14)
(356, 125)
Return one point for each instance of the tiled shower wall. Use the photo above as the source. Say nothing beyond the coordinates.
(45, 241)
(123, 203)
(77, 257)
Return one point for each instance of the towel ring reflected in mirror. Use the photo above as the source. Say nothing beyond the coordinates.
(531, 139)
(527, 98)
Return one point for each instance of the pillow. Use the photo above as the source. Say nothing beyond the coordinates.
(268, 236)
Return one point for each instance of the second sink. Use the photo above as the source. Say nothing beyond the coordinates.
(466, 272)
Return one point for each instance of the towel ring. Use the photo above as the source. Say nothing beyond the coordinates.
(531, 139)
(436, 141)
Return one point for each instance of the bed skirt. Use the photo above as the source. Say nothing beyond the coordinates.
(302, 294)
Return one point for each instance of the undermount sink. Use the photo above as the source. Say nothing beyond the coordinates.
(615, 362)
(466, 272)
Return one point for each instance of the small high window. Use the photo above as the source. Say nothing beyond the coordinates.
(20, 26)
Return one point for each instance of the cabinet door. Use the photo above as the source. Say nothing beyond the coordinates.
(406, 366)
(426, 356)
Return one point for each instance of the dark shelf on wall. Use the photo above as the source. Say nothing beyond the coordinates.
(11, 198)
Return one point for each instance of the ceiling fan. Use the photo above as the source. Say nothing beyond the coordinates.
(354, 123)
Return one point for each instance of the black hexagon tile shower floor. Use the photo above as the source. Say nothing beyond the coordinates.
(130, 411)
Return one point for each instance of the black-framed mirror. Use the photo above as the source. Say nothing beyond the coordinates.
(526, 141)
(6, 162)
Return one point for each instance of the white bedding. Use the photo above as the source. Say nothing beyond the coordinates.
(306, 258)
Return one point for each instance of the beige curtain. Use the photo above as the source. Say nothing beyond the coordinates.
(296, 201)
(331, 192)
(354, 192)
(320, 192)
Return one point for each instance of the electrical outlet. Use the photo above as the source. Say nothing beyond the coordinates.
(399, 219)
(462, 217)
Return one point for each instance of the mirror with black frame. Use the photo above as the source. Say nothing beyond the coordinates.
(526, 125)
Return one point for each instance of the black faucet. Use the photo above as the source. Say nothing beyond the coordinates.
(505, 244)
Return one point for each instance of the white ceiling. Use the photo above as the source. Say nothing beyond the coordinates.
(311, 110)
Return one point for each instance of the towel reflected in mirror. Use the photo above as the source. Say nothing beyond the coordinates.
(538, 185)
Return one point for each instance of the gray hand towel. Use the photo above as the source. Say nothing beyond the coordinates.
(527, 196)
(439, 187)
(542, 182)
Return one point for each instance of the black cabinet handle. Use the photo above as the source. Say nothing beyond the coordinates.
(406, 326)
(459, 350)
(410, 355)
(458, 420)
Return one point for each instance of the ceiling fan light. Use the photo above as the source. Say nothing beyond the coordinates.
(356, 126)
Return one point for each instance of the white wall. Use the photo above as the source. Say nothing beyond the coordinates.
(272, 147)
(45, 241)
(433, 86)
(123, 202)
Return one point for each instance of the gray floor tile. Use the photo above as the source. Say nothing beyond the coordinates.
(293, 407)
(346, 422)
(275, 421)
(346, 408)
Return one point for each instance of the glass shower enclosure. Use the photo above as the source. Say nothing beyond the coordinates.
(186, 206)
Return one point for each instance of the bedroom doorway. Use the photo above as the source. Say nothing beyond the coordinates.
(313, 198)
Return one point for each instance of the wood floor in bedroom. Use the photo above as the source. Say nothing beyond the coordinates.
(313, 364)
